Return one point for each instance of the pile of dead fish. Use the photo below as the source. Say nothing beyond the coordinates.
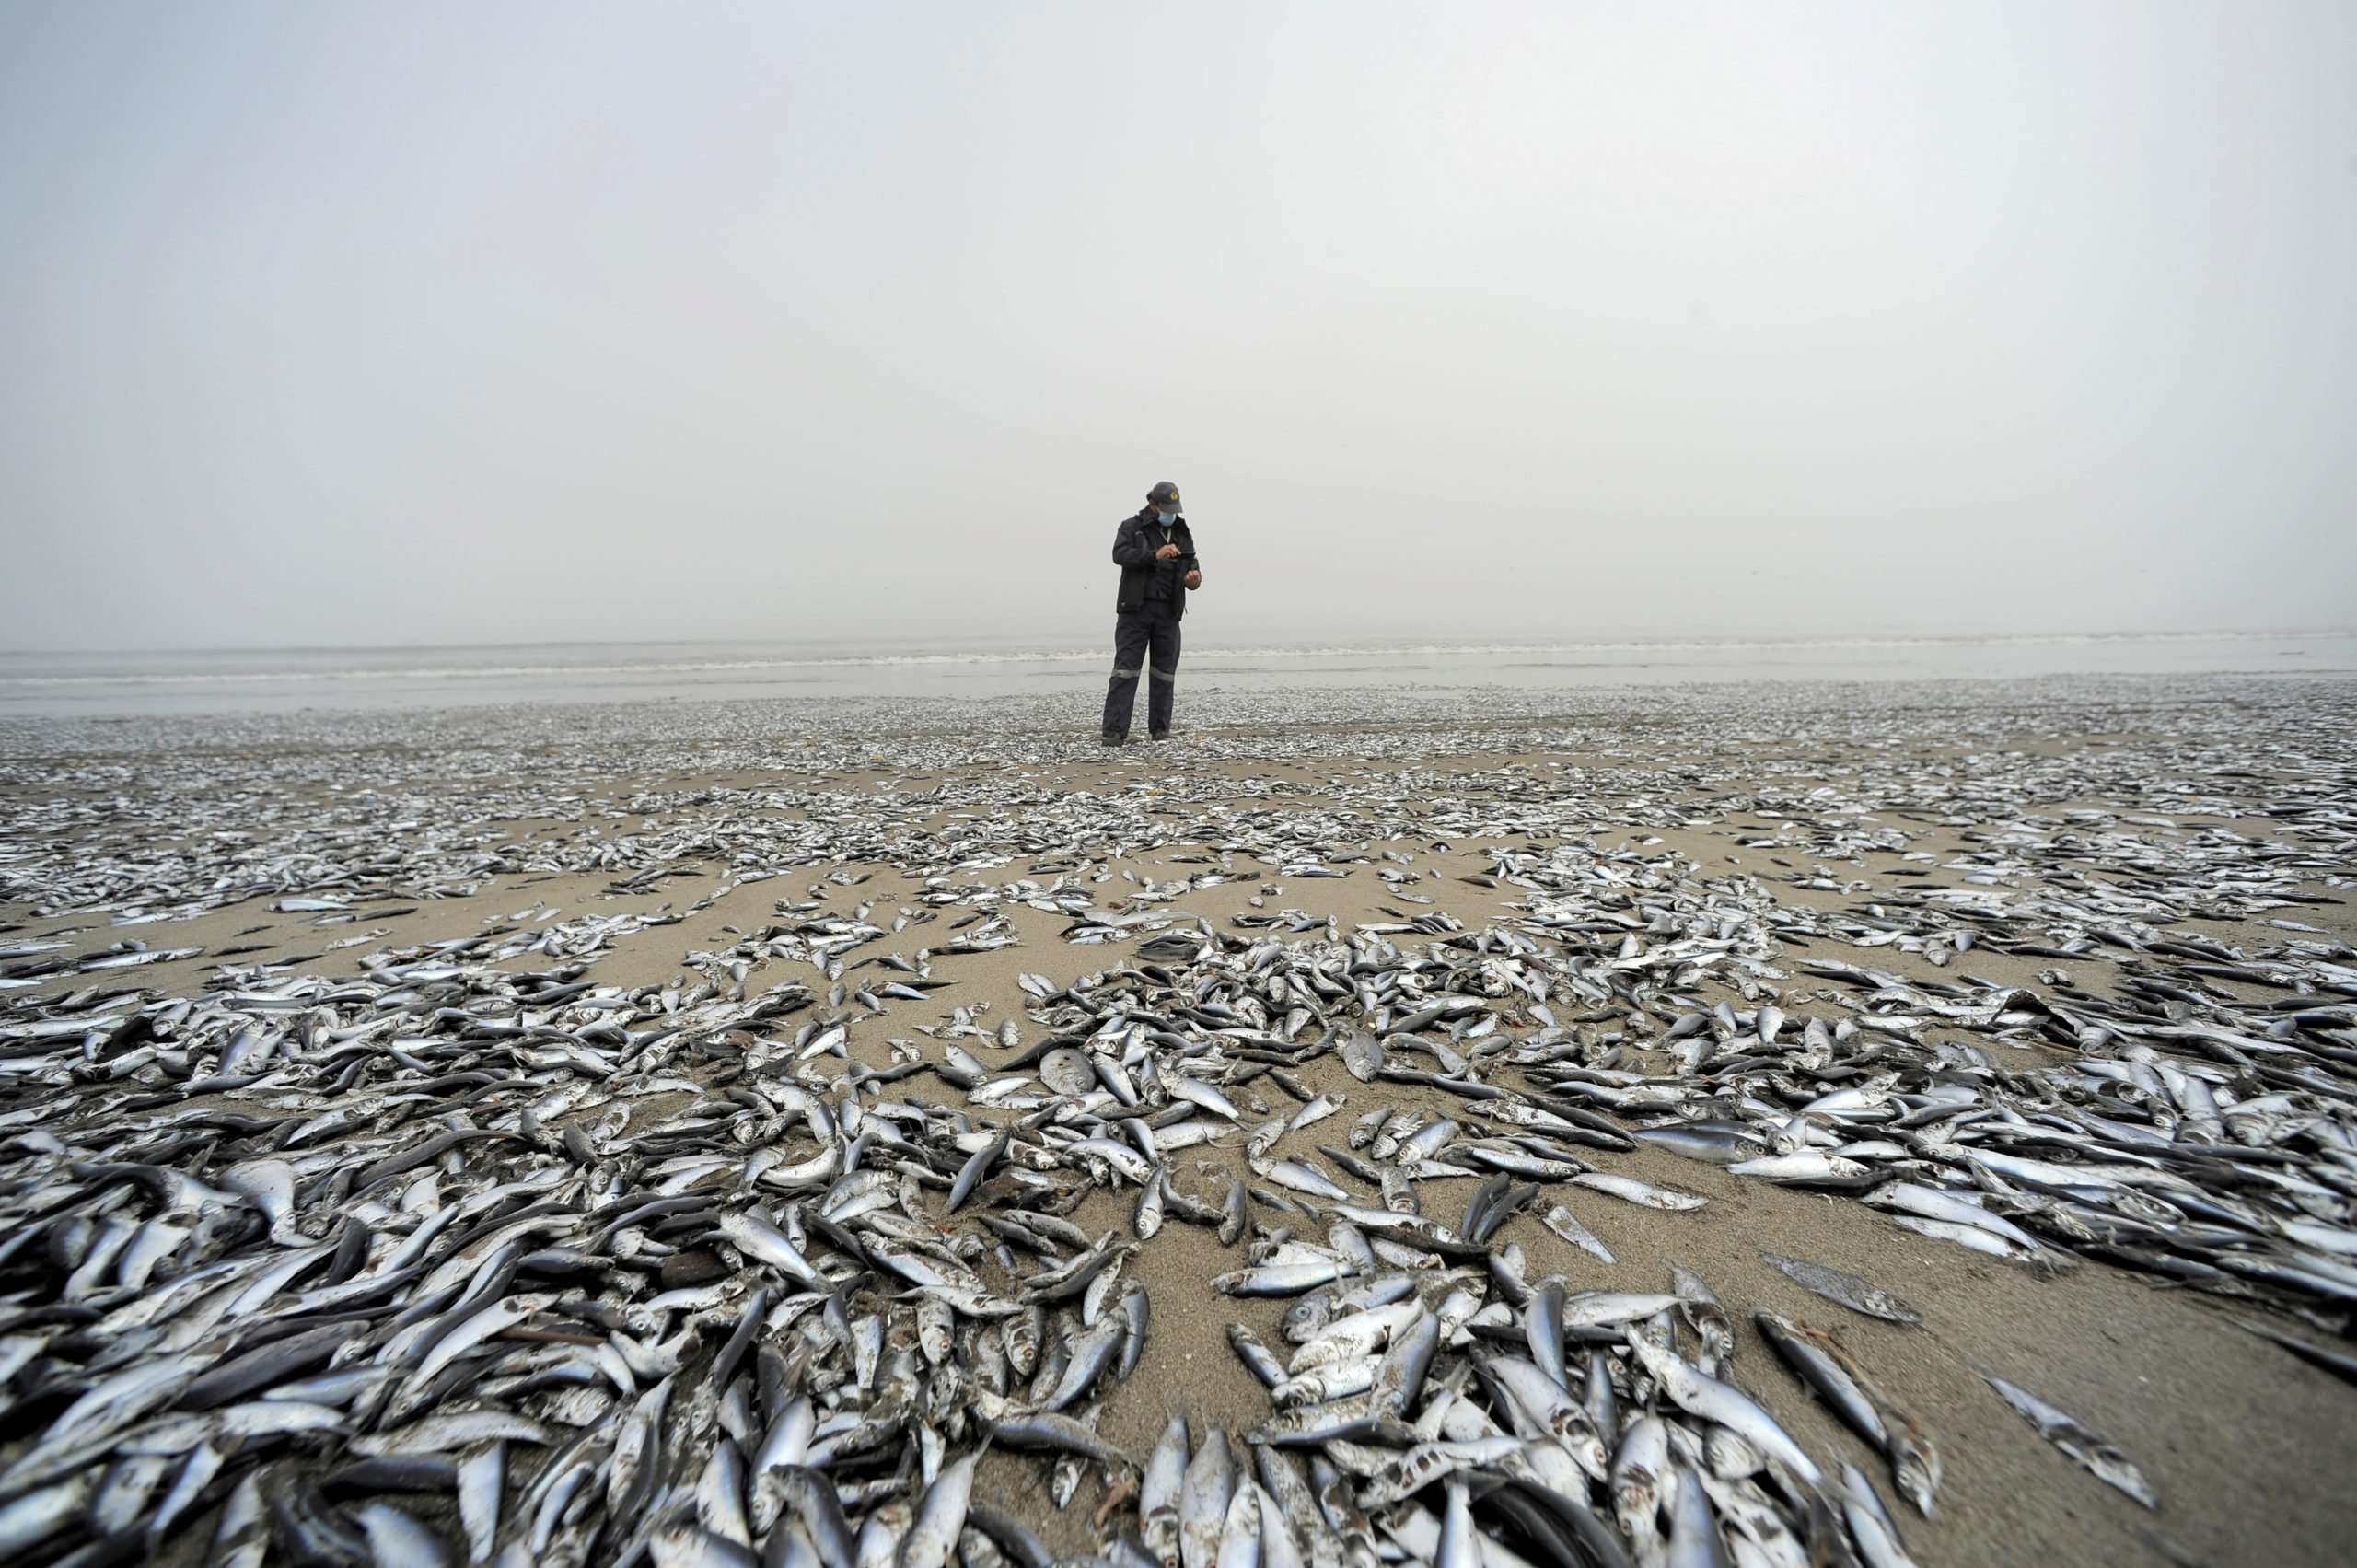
(473, 1258)
(330, 1264)
(173, 816)
(380, 1271)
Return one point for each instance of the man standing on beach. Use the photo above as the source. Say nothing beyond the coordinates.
(1157, 556)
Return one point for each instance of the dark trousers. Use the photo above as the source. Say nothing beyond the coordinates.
(1145, 642)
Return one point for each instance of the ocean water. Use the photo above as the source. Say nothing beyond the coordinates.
(249, 680)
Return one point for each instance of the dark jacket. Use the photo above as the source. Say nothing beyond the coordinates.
(1142, 577)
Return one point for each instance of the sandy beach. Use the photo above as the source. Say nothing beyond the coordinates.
(638, 848)
(1740, 950)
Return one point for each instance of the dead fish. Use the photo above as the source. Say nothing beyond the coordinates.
(1562, 1221)
(1630, 1190)
(1722, 1402)
(1846, 1290)
(2091, 1449)
(1159, 1493)
(1067, 1072)
(730, 1262)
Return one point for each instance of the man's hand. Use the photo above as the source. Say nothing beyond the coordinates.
(1168, 552)
(1194, 580)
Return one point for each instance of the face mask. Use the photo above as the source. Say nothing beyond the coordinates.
(1166, 518)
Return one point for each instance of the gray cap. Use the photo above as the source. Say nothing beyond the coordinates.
(1163, 494)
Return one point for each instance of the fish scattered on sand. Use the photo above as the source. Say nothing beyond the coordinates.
(413, 1249)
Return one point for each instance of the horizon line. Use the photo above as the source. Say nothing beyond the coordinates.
(1470, 639)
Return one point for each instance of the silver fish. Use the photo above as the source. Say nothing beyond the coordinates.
(1847, 1290)
(2091, 1449)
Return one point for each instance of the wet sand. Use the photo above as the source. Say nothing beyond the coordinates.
(2247, 1447)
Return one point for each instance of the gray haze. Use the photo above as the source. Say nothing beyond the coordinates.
(337, 324)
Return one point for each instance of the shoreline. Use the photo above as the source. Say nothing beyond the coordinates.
(35, 686)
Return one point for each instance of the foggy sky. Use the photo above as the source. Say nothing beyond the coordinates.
(328, 324)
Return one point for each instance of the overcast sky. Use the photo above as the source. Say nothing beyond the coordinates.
(345, 323)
